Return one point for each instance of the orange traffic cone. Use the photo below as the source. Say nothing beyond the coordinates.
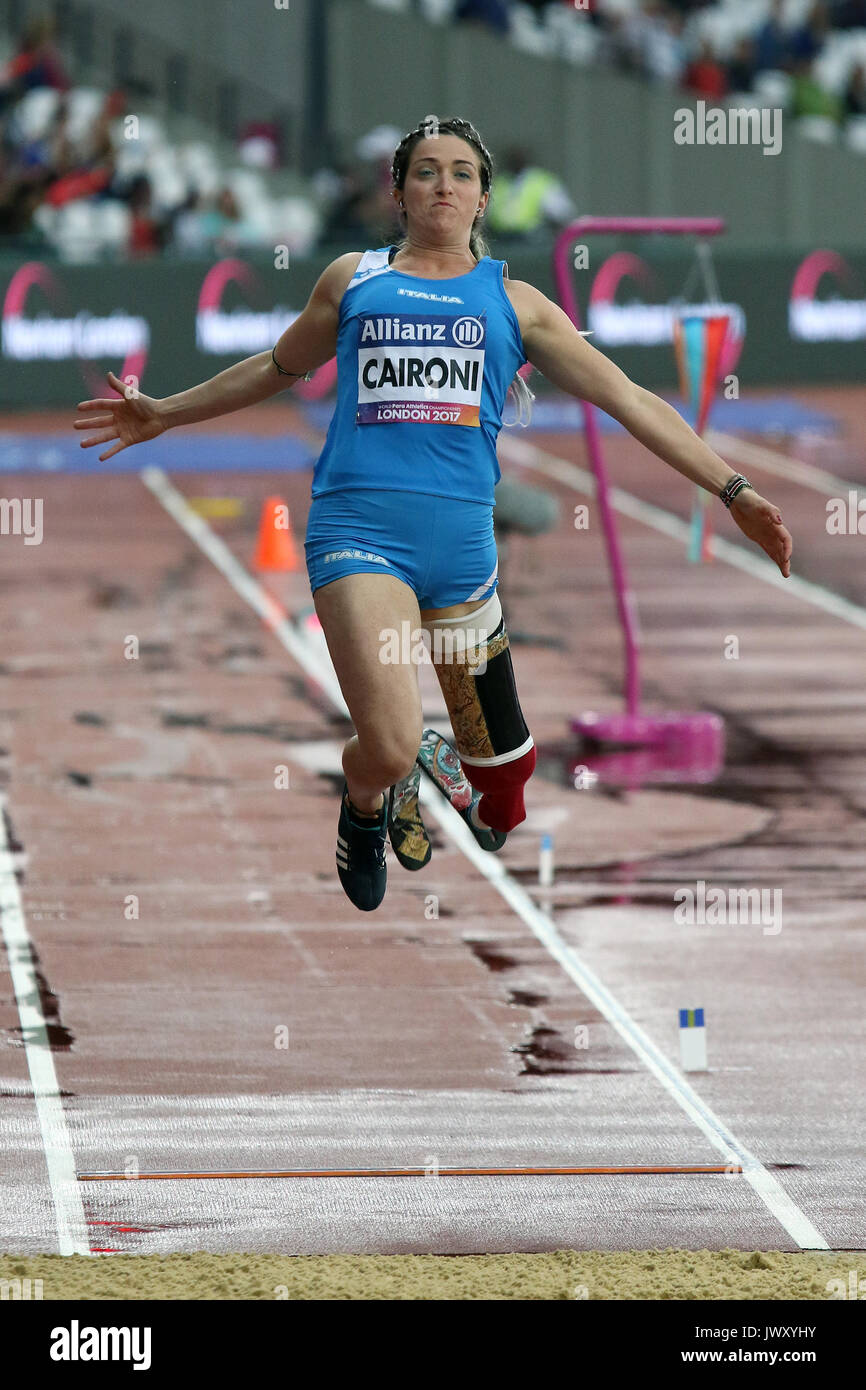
(276, 548)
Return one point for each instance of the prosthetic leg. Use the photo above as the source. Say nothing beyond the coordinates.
(406, 829)
(440, 762)
(473, 664)
(408, 833)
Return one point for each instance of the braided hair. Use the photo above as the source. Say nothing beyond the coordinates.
(431, 126)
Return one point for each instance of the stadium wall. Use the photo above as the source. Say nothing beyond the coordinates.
(176, 323)
(610, 137)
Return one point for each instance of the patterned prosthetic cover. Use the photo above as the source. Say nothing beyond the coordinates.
(496, 749)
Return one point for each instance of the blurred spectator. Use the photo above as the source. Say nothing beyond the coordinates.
(188, 235)
(379, 209)
(361, 205)
(53, 169)
(259, 145)
(43, 163)
(225, 227)
(19, 199)
(705, 75)
(526, 198)
(771, 41)
(51, 151)
(650, 40)
(808, 97)
(37, 62)
(854, 99)
(741, 67)
(366, 210)
(46, 161)
(77, 172)
(146, 232)
(348, 216)
(667, 53)
(78, 183)
(808, 40)
(97, 142)
(491, 13)
(379, 143)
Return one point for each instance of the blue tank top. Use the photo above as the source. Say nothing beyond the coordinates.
(423, 368)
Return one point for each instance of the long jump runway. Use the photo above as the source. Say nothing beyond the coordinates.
(192, 992)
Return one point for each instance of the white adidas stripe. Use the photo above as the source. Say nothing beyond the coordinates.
(483, 588)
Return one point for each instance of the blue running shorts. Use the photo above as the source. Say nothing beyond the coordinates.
(443, 548)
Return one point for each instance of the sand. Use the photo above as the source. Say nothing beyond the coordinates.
(561, 1274)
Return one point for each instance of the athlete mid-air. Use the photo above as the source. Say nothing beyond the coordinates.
(429, 335)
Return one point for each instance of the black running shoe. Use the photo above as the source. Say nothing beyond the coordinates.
(406, 830)
(361, 856)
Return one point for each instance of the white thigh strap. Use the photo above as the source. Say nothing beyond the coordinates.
(485, 619)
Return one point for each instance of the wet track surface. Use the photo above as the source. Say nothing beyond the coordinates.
(214, 1002)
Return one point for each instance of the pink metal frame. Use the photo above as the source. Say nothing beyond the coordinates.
(563, 274)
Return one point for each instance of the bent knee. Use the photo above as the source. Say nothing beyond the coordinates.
(393, 754)
(399, 766)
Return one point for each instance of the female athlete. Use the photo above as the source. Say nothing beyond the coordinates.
(429, 335)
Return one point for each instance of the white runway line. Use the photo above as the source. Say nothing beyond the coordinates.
(770, 1191)
(752, 562)
(315, 662)
(72, 1235)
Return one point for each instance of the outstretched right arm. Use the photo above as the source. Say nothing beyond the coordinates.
(306, 344)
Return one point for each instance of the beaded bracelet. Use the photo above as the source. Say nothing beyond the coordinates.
(732, 487)
(308, 376)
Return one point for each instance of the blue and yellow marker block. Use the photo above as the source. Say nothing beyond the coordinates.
(693, 1040)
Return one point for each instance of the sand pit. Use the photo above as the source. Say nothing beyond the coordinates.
(561, 1274)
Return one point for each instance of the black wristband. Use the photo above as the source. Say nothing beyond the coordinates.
(732, 487)
(282, 371)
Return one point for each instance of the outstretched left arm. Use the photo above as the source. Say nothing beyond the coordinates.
(555, 347)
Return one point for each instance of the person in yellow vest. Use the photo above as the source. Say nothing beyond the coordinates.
(527, 198)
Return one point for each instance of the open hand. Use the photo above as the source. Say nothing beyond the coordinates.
(130, 418)
(761, 521)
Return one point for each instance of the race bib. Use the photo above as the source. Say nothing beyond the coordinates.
(427, 368)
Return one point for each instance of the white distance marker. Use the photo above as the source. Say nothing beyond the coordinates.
(545, 862)
(693, 1040)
